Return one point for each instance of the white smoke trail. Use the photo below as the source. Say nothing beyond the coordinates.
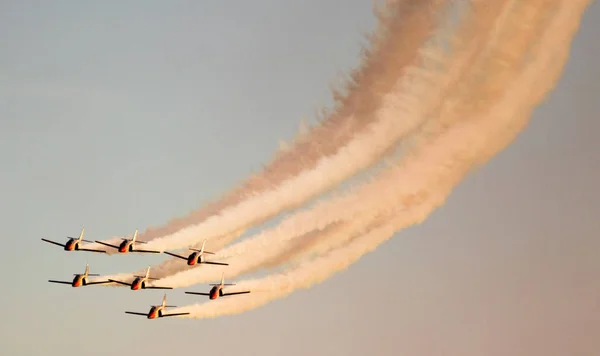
(418, 86)
(392, 50)
(481, 140)
(267, 245)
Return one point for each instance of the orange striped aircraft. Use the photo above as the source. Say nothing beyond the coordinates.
(74, 244)
(81, 280)
(217, 290)
(197, 257)
(140, 282)
(157, 311)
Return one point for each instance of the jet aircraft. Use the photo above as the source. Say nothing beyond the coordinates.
(157, 311)
(197, 257)
(81, 279)
(217, 290)
(128, 245)
(140, 282)
(74, 244)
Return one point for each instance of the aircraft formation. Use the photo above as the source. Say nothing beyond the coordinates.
(143, 282)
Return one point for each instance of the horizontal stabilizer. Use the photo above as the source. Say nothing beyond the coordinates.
(206, 252)
(149, 278)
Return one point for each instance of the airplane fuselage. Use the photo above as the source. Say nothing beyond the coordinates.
(194, 258)
(155, 312)
(138, 283)
(126, 246)
(72, 245)
(79, 280)
(215, 292)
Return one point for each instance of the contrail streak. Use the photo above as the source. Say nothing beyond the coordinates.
(365, 149)
(467, 144)
(396, 48)
(393, 48)
(266, 247)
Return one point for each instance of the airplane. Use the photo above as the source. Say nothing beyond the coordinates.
(156, 311)
(197, 257)
(73, 244)
(81, 279)
(128, 245)
(140, 282)
(217, 290)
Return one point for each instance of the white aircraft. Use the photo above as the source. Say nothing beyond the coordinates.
(197, 257)
(140, 282)
(81, 279)
(74, 244)
(217, 290)
(128, 245)
(156, 311)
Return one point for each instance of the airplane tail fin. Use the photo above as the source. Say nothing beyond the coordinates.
(148, 272)
(135, 235)
(164, 302)
(87, 269)
(81, 234)
(202, 248)
(223, 282)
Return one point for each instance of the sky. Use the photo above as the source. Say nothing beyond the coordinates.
(118, 116)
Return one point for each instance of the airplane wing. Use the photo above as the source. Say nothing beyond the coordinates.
(234, 293)
(53, 242)
(87, 249)
(216, 263)
(197, 293)
(61, 282)
(174, 314)
(107, 244)
(152, 287)
(119, 282)
(100, 282)
(145, 251)
(175, 255)
(135, 313)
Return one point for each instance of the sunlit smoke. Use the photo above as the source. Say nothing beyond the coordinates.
(494, 125)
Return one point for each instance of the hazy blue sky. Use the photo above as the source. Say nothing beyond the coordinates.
(120, 115)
